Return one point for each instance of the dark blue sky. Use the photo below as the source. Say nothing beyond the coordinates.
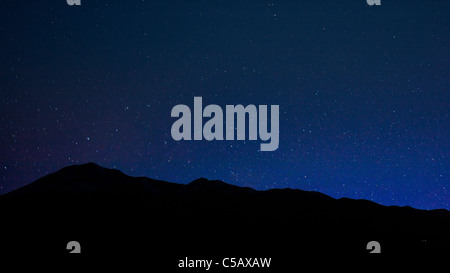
(363, 92)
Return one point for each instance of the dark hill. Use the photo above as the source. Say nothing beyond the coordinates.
(115, 215)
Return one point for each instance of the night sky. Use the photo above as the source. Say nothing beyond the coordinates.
(363, 92)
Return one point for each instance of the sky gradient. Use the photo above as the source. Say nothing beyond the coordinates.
(363, 92)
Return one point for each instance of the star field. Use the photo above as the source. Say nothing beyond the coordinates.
(363, 92)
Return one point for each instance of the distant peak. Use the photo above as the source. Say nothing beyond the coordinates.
(90, 169)
(200, 180)
(204, 183)
(91, 164)
(84, 166)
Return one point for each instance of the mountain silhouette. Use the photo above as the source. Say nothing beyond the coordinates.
(114, 215)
